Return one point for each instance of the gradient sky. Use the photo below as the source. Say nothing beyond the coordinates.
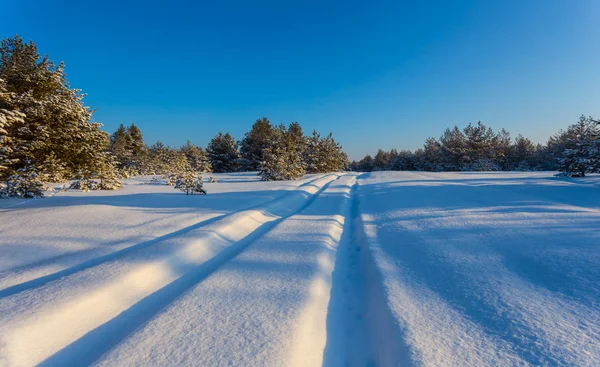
(378, 74)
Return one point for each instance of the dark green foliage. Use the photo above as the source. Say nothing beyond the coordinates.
(581, 154)
(575, 151)
(283, 158)
(222, 153)
(254, 143)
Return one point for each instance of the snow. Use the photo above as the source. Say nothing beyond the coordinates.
(487, 269)
(383, 268)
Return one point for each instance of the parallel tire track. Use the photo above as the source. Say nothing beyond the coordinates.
(87, 326)
(40, 281)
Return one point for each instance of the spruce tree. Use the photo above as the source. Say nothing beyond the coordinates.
(255, 141)
(222, 153)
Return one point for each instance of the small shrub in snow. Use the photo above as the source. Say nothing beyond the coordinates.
(190, 183)
(25, 183)
(84, 185)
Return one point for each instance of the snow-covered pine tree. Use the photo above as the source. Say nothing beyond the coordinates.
(521, 156)
(324, 154)
(366, 164)
(403, 161)
(178, 167)
(282, 159)
(56, 120)
(480, 148)
(453, 149)
(432, 156)
(312, 154)
(223, 154)
(118, 145)
(7, 118)
(335, 158)
(98, 168)
(579, 157)
(196, 157)
(594, 153)
(381, 160)
(255, 141)
(53, 169)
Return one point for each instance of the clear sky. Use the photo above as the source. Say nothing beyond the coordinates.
(378, 74)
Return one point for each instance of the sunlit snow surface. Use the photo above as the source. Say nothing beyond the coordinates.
(386, 268)
(488, 269)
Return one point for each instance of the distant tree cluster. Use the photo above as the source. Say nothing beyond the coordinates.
(574, 152)
(285, 153)
(277, 152)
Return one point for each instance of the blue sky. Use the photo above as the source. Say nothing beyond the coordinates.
(378, 74)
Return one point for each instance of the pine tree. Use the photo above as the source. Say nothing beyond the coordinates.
(366, 164)
(53, 169)
(324, 154)
(283, 159)
(522, 154)
(177, 164)
(255, 141)
(403, 161)
(197, 157)
(432, 156)
(453, 153)
(118, 145)
(56, 120)
(382, 160)
(594, 152)
(579, 157)
(7, 118)
(312, 154)
(222, 153)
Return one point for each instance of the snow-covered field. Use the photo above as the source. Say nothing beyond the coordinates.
(384, 269)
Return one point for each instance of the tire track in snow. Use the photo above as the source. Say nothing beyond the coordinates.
(40, 281)
(265, 307)
(360, 326)
(89, 324)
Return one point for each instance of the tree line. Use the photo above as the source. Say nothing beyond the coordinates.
(574, 152)
(47, 135)
(276, 152)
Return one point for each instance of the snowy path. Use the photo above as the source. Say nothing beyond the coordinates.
(381, 269)
(43, 238)
(265, 307)
(73, 306)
